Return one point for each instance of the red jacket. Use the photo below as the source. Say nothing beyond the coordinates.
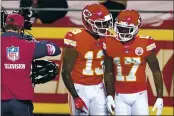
(16, 59)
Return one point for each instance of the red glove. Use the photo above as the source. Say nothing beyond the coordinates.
(79, 103)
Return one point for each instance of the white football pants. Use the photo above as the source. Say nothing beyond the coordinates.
(131, 104)
(94, 97)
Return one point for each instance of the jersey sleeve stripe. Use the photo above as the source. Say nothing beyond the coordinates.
(104, 46)
(70, 42)
(150, 47)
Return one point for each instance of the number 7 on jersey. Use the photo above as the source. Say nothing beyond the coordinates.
(134, 61)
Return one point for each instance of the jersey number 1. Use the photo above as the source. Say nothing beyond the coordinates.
(89, 56)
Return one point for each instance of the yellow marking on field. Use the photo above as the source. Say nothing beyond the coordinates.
(60, 32)
(54, 108)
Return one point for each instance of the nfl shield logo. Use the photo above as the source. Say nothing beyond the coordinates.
(12, 53)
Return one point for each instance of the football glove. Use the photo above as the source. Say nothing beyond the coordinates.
(159, 106)
(110, 104)
(80, 105)
(43, 71)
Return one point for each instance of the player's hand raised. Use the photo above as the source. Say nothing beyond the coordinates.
(159, 106)
(110, 104)
(80, 105)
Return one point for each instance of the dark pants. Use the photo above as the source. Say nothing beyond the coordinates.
(16, 108)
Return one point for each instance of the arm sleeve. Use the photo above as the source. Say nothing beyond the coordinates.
(45, 48)
(104, 46)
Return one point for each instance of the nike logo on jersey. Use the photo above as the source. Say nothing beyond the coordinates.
(141, 93)
(69, 34)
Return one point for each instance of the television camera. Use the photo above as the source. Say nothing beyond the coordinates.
(25, 12)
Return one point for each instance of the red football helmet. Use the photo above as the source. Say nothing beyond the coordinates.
(97, 19)
(127, 24)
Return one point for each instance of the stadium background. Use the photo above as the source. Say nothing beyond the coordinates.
(52, 97)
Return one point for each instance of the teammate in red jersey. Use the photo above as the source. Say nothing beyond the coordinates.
(128, 54)
(83, 58)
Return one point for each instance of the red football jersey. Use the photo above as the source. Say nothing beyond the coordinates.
(130, 62)
(88, 68)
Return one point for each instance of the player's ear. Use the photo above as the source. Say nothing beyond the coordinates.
(20, 30)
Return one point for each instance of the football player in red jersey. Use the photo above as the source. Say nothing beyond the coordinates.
(128, 54)
(83, 58)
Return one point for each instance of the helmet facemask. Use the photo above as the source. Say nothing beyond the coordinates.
(101, 27)
(125, 31)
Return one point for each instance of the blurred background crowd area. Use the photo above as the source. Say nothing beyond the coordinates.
(73, 18)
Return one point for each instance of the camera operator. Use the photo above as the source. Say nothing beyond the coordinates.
(17, 55)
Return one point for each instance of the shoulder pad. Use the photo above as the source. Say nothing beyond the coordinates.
(70, 39)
